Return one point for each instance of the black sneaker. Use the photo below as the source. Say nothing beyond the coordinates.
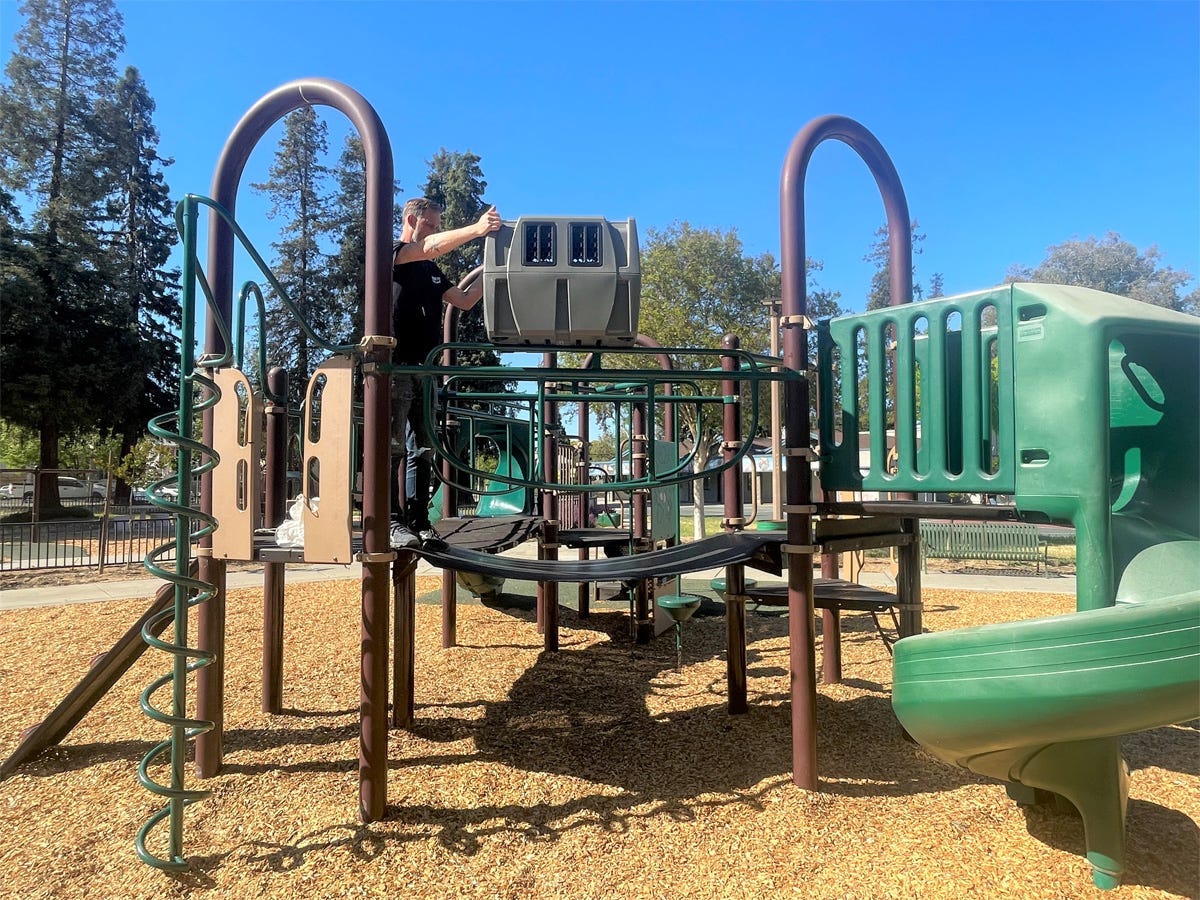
(430, 540)
(400, 537)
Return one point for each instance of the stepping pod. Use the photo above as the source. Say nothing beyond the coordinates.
(680, 609)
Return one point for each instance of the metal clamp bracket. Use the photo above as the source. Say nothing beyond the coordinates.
(385, 556)
(371, 341)
(793, 321)
(808, 549)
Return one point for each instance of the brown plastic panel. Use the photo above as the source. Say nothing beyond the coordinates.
(327, 531)
(237, 484)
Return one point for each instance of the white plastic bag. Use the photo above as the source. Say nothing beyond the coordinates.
(290, 533)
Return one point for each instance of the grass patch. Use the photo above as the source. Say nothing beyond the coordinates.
(48, 514)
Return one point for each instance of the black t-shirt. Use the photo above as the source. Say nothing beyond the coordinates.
(417, 289)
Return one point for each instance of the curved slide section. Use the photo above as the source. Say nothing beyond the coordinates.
(1043, 702)
(104, 672)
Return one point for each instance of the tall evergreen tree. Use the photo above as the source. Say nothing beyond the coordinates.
(296, 186)
(142, 234)
(455, 180)
(349, 214)
(880, 292)
(61, 340)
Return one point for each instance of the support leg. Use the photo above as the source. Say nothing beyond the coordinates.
(736, 674)
(372, 712)
(210, 681)
(908, 584)
(831, 629)
(274, 580)
(449, 609)
(1094, 778)
(404, 584)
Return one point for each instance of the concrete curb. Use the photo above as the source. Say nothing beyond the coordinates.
(94, 592)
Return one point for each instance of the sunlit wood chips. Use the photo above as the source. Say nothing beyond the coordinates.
(596, 771)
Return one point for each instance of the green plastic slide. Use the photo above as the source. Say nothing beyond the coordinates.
(1105, 436)
(1042, 703)
(507, 503)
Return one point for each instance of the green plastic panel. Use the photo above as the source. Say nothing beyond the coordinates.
(930, 386)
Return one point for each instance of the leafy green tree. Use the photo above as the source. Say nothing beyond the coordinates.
(141, 218)
(602, 448)
(18, 447)
(455, 180)
(63, 345)
(1116, 266)
(698, 285)
(296, 186)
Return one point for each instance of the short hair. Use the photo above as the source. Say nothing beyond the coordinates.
(419, 205)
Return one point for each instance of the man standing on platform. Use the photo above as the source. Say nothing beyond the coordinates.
(419, 288)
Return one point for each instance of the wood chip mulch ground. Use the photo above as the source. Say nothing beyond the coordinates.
(594, 772)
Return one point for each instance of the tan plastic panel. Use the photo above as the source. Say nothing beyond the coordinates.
(237, 480)
(327, 530)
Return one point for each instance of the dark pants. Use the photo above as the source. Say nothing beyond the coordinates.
(414, 467)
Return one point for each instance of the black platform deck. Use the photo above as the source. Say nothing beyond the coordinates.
(605, 538)
(829, 593)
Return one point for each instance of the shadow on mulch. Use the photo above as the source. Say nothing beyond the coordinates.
(1164, 836)
(1172, 748)
(588, 713)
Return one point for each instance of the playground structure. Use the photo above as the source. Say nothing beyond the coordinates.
(963, 380)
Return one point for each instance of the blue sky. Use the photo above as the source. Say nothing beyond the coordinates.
(1013, 126)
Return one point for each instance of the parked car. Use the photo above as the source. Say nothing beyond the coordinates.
(69, 488)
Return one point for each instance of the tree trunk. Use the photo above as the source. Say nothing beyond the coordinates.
(702, 456)
(46, 490)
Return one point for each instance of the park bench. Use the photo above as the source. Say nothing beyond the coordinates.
(993, 541)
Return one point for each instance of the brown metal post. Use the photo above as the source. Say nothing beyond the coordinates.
(274, 511)
(449, 608)
(549, 590)
(831, 629)
(404, 594)
(908, 584)
(797, 395)
(210, 681)
(449, 495)
(639, 445)
(450, 317)
(735, 575)
(584, 596)
(776, 426)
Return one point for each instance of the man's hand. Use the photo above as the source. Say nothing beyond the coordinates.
(488, 222)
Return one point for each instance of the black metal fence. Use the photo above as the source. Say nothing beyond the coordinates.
(118, 538)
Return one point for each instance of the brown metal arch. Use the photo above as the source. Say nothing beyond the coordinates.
(377, 322)
(796, 416)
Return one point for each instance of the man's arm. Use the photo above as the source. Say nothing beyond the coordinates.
(444, 241)
(465, 299)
